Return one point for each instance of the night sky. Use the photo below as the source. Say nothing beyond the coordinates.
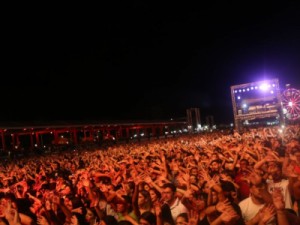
(141, 60)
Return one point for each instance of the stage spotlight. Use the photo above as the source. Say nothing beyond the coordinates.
(264, 87)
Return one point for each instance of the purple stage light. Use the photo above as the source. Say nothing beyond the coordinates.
(264, 87)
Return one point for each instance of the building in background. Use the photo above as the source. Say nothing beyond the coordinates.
(193, 119)
(210, 122)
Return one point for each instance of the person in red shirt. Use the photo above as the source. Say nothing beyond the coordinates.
(241, 179)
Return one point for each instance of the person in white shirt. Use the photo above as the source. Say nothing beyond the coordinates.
(175, 204)
(278, 182)
(252, 205)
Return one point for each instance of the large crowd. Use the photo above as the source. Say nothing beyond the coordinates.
(213, 178)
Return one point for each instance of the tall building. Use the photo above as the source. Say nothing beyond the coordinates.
(210, 122)
(193, 119)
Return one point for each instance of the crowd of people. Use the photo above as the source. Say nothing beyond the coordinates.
(212, 178)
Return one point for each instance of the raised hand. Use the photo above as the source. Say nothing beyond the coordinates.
(148, 179)
(225, 177)
(77, 210)
(74, 220)
(255, 178)
(122, 191)
(205, 175)
(12, 215)
(229, 215)
(223, 205)
(41, 220)
(193, 217)
(138, 179)
(248, 170)
(85, 182)
(267, 213)
(95, 201)
(278, 199)
(211, 183)
(186, 177)
(103, 188)
(188, 194)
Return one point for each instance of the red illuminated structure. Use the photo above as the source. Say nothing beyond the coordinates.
(291, 104)
(26, 136)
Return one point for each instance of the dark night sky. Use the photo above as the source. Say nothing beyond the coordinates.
(142, 60)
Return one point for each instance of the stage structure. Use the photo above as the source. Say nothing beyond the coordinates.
(257, 101)
(193, 119)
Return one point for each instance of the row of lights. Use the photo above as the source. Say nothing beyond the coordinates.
(263, 87)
